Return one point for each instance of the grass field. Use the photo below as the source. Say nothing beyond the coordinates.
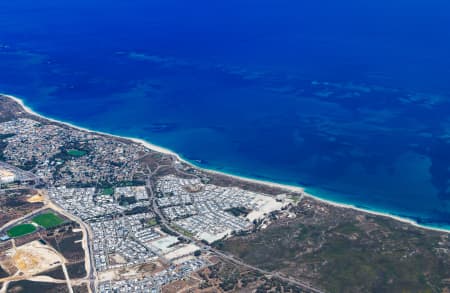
(182, 231)
(48, 220)
(108, 191)
(76, 153)
(21, 230)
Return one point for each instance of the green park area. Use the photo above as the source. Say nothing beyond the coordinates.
(76, 153)
(48, 220)
(152, 222)
(108, 191)
(21, 230)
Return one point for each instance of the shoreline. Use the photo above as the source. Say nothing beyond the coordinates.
(291, 188)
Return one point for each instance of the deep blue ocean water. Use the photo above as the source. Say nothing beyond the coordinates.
(349, 98)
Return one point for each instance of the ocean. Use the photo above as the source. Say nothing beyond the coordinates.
(349, 99)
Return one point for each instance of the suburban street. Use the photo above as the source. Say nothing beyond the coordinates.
(215, 251)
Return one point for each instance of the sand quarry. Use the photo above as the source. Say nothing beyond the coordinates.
(38, 197)
(33, 258)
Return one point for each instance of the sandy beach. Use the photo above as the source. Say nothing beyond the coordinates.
(296, 189)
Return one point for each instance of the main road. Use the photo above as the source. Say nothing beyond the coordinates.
(87, 235)
(209, 248)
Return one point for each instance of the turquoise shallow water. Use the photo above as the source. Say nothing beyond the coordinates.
(350, 101)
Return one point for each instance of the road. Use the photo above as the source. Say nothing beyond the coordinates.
(87, 245)
(87, 240)
(205, 247)
(89, 261)
(63, 261)
(25, 274)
